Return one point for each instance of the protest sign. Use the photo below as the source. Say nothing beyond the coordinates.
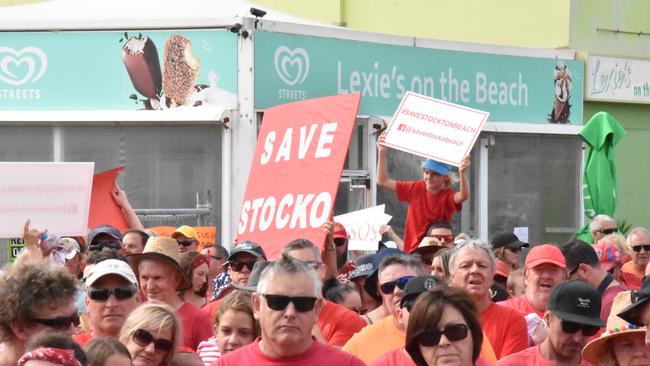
(434, 128)
(363, 227)
(207, 234)
(103, 208)
(295, 171)
(14, 247)
(54, 196)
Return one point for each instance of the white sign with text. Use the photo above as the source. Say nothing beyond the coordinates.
(435, 129)
(54, 196)
(363, 227)
(618, 80)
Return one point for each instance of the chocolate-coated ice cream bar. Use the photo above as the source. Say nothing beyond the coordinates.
(140, 57)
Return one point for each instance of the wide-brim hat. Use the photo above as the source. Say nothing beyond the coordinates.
(632, 312)
(427, 245)
(616, 327)
(163, 249)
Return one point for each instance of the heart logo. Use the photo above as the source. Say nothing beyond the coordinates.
(20, 67)
(292, 66)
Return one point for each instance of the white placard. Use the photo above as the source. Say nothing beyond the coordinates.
(434, 129)
(617, 80)
(522, 233)
(363, 227)
(54, 196)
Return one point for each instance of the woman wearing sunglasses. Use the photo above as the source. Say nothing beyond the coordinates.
(443, 329)
(152, 334)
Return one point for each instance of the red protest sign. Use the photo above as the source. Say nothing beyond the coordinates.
(296, 169)
(103, 208)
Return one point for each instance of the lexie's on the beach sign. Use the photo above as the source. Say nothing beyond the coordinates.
(295, 173)
(434, 129)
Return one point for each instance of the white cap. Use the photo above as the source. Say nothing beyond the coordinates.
(71, 247)
(111, 266)
(390, 244)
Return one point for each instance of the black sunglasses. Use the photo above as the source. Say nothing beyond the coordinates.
(637, 248)
(571, 328)
(608, 231)
(144, 338)
(339, 242)
(237, 266)
(453, 332)
(387, 288)
(185, 243)
(102, 294)
(99, 246)
(61, 323)
(515, 250)
(280, 302)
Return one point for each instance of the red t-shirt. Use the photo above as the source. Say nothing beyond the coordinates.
(396, 357)
(82, 338)
(318, 354)
(505, 328)
(530, 357)
(423, 209)
(608, 299)
(338, 324)
(196, 325)
(521, 304)
(631, 281)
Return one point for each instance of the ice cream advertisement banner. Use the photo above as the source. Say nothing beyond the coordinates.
(363, 227)
(434, 129)
(55, 196)
(294, 176)
(511, 88)
(111, 70)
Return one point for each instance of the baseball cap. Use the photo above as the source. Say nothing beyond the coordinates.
(575, 301)
(608, 253)
(249, 247)
(71, 247)
(545, 253)
(436, 166)
(507, 240)
(418, 285)
(632, 312)
(371, 281)
(339, 231)
(186, 231)
(254, 277)
(363, 267)
(111, 266)
(106, 230)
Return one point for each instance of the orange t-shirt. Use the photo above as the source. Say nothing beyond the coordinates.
(629, 268)
(338, 324)
(505, 328)
(521, 304)
(530, 357)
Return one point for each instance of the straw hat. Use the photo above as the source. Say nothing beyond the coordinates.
(428, 245)
(616, 327)
(163, 249)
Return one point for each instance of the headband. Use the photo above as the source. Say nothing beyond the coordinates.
(64, 357)
(199, 261)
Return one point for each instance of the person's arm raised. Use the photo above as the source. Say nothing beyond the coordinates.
(463, 194)
(383, 179)
(129, 213)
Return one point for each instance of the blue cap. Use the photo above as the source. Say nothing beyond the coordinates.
(371, 281)
(436, 166)
(103, 229)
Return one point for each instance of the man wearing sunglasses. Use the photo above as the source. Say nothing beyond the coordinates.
(335, 324)
(441, 230)
(583, 263)
(187, 238)
(394, 272)
(573, 317)
(105, 237)
(286, 304)
(111, 288)
(638, 241)
(240, 264)
(602, 225)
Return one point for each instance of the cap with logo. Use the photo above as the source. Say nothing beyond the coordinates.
(111, 267)
(507, 240)
(105, 230)
(608, 253)
(545, 253)
(249, 247)
(186, 231)
(418, 285)
(436, 166)
(575, 301)
(363, 267)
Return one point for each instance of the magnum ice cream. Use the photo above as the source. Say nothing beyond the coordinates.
(140, 57)
(181, 67)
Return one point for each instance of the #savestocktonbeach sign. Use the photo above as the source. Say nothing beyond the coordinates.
(434, 128)
(295, 172)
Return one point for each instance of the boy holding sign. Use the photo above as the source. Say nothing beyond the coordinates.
(430, 199)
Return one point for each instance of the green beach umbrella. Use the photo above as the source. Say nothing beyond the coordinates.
(602, 133)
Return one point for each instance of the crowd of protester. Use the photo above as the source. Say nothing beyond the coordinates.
(435, 298)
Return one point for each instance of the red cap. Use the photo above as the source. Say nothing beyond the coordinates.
(503, 269)
(545, 253)
(339, 231)
(608, 253)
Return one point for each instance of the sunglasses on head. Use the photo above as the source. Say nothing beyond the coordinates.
(62, 322)
(608, 231)
(237, 266)
(185, 243)
(444, 238)
(571, 328)
(453, 332)
(280, 302)
(339, 242)
(99, 246)
(102, 294)
(637, 248)
(387, 288)
(144, 338)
